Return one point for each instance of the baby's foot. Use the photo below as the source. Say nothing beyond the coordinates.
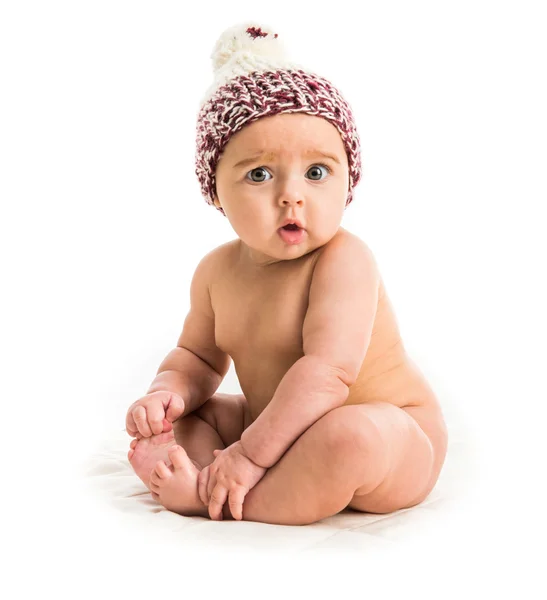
(176, 486)
(145, 453)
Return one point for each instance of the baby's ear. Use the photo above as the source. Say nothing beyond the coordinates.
(216, 201)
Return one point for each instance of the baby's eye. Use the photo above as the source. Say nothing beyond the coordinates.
(254, 171)
(315, 168)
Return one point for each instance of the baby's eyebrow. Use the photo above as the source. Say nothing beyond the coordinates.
(269, 155)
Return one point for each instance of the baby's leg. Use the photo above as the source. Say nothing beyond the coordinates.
(217, 423)
(370, 457)
(175, 485)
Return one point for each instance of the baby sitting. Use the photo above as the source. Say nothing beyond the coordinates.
(334, 413)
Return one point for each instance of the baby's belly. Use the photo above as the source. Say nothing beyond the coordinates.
(259, 374)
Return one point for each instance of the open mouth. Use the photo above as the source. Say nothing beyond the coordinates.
(292, 234)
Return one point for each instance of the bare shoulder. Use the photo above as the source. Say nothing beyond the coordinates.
(350, 253)
(217, 259)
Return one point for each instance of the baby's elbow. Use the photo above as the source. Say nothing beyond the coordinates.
(346, 376)
(328, 368)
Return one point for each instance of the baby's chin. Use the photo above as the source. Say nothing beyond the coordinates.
(264, 255)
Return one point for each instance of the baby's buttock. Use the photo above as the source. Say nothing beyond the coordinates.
(400, 383)
(395, 379)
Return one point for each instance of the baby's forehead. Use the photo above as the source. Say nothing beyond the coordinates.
(279, 139)
(286, 137)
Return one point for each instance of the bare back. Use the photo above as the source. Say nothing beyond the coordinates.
(259, 316)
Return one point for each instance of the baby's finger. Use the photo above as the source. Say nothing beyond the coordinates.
(130, 425)
(218, 498)
(175, 408)
(203, 480)
(211, 483)
(155, 414)
(235, 502)
(139, 416)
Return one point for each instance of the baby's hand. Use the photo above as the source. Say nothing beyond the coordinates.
(153, 414)
(229, 477)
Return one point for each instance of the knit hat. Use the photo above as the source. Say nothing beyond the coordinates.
(253, 78)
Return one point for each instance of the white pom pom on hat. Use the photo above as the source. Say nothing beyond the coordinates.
(246, 48)
(247, 40)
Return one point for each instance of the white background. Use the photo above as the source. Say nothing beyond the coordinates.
(102, 225)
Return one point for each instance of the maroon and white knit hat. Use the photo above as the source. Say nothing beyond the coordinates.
(252, 79)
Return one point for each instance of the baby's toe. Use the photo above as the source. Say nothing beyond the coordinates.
(178, 457)
(132, 449)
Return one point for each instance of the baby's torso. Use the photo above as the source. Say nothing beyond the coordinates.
(259, 317)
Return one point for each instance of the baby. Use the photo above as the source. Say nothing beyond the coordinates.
(334, 414)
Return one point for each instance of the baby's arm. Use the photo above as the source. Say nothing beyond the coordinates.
(336, 334)
(192, 371)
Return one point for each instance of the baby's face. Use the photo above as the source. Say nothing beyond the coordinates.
(287, 181)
